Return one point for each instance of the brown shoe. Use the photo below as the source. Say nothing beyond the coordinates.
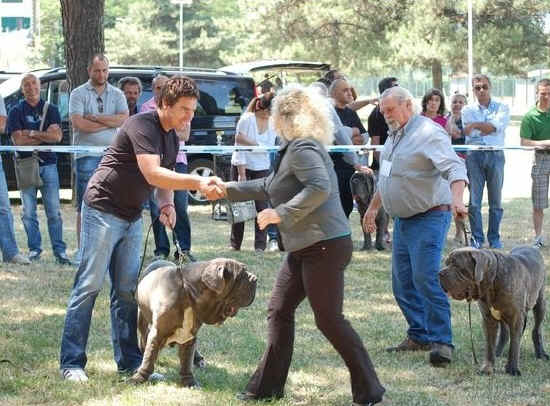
(409, 344)
(441, 355)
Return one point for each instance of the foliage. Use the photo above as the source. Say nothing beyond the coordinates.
(48, 48)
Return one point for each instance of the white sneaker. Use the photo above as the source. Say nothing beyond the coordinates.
(156, 377)
(74, 375)
(539, 242)
(19, 259)
(272, 246)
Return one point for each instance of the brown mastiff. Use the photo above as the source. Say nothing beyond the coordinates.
(506, 287)
(175, 301)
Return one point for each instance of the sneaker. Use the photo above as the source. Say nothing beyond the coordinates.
(272, 246)
(409, 344)
(539, 242)
(19, 259)
(475, 244)
(441, 355)
(74, 375)
(156, 377)
(34, 256)
(63, 259)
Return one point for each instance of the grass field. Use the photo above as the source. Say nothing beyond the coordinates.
(32, 308)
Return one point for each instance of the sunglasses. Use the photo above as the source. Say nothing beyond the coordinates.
(478, 88)
(99, 104)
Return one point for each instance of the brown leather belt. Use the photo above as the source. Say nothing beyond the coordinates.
(441, 207)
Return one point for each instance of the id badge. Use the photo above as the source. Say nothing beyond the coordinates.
(385, 169)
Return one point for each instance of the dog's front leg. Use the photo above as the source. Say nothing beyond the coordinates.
(186, 354)
(490, 329)
(152, 349)
(516, 324)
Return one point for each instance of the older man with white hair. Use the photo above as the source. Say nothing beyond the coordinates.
(417, 165)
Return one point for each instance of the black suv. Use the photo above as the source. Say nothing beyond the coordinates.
(223, 97)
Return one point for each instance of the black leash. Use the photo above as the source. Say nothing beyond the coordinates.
(466, 243)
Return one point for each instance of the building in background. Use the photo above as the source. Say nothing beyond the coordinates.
(16, 32)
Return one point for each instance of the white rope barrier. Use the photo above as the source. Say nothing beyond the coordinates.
(228, 149)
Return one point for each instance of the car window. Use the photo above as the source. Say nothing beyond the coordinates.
(223, 96)
(59, 95)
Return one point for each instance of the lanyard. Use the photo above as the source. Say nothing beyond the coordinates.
(396, 143)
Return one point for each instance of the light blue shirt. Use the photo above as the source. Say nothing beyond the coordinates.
(83, 101)
(497, 114)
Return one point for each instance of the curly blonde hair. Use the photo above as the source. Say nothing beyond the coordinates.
(300, 112)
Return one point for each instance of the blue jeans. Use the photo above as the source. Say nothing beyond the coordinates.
(485, 167)
(183, 226)
(109, 245)
(416, 259)
(50, 198)
(84, 169)
(8, 244)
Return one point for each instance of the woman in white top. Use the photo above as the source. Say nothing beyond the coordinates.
(254, 128)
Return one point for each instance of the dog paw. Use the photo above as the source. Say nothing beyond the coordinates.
(189, 381)
(514, 371)
(137, 379)
(486, 370)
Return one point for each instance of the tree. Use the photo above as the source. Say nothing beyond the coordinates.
(83, 34)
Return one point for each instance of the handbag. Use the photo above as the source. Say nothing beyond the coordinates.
(238, 212)
(27, 170)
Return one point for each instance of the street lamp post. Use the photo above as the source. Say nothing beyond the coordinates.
(181, 4)
(470, 48)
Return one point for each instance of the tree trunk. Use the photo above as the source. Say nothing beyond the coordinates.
(83, 33)
(437, 74)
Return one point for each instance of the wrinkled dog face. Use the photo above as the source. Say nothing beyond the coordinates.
(362, 187)
(228, 287)
(463, 273)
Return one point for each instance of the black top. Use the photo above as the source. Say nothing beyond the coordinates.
(118, 186)
(349, 118)
(377, 128)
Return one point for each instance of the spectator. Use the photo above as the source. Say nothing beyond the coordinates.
(485, 123)
(378, 132)
(24, 127)
(340, 91)
(254, 128)
(456, 131)
(418, 164)
(132, 88)
(96, 110)
(8, 245)
(354, 104)
(266, 85)
(316, 234)
(182, 230)
(140, 158)
(535, 132)
(433, 106)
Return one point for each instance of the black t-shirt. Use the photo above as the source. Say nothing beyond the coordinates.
(377, 128)
(349, 118)
(118, 186)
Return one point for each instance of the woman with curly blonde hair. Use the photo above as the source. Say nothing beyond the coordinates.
(315, 232)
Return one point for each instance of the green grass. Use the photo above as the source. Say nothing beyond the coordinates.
(32, 308)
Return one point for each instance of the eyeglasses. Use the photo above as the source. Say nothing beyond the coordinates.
(478, 88)
(99, 104)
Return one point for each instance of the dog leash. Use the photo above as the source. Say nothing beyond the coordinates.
(466, 232)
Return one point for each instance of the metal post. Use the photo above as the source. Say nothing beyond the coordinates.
(181, 36)
(470, 49)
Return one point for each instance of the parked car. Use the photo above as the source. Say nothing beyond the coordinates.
(224, 96)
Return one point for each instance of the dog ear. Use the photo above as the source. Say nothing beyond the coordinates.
(214, 275)
(483, 261)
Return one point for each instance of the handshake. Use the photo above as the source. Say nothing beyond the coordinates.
(213, 188)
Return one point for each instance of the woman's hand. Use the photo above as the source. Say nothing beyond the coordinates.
(267, 217)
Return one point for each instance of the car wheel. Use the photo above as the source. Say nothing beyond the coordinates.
(201, 167)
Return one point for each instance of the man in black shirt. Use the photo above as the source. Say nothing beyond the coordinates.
(340, 91)
(141, 157)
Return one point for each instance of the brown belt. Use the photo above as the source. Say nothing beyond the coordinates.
(441, 207)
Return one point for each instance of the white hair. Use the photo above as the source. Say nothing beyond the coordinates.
(300, 112)
(401, 95)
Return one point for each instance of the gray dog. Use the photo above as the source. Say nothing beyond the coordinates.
(506, 287)
(363, 187)
(173, 303)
